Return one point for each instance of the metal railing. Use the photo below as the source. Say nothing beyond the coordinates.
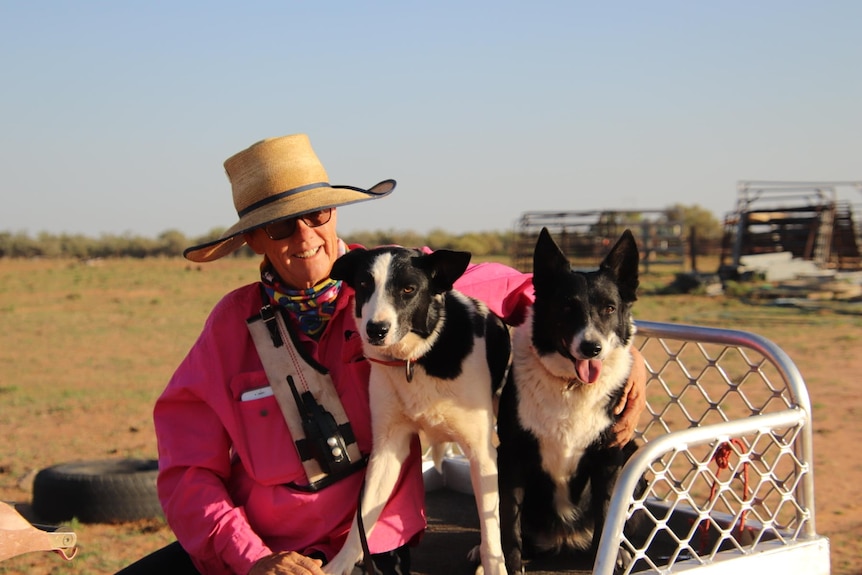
(727, 455)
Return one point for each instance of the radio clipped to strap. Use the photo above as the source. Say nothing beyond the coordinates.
(324, 439)
(308, 402)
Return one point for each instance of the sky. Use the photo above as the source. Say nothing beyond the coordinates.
(116, 116)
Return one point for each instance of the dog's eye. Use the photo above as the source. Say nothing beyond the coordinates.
(407, 290)
(609, 309)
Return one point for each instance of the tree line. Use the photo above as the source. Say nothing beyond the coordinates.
(171, 243)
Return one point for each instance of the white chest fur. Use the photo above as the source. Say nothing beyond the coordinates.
(565, 419)
(441, 408)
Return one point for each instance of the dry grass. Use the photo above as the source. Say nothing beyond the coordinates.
(86, 350)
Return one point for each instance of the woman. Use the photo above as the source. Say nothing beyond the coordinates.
(240, 486)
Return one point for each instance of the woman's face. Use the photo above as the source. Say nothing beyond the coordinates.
(303, 259)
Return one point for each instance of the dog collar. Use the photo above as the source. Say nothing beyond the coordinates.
(407, 363)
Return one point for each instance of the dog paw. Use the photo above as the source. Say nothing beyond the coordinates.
(497, 565)
(495, 570)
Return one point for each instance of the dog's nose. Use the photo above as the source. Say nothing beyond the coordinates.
(376, 331)
(591, 348)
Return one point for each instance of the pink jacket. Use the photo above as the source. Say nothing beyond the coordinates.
(224, 463)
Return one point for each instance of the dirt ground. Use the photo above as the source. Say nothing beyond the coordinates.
(831, 364)
(826, 352)
(838, 460)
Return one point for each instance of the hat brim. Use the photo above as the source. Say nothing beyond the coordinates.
(318, 199)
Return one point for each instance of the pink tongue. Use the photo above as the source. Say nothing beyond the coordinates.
(588, 369)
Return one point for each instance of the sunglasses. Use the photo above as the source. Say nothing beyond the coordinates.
(283, 229)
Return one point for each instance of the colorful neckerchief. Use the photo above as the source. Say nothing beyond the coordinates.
(312, 307)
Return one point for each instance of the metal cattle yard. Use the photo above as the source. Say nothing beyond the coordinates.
(805, 219)
(586, 236)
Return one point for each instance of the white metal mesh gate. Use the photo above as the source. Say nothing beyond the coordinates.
(727, 457)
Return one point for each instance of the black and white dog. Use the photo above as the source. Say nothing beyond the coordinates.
(571, 359)
(437, 357)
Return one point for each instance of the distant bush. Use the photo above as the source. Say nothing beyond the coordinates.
(171, 243)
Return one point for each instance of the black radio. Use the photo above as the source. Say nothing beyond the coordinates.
(324, 438)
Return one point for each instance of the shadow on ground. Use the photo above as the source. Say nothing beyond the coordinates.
(453, 530)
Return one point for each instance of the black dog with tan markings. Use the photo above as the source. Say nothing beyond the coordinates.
(571, 359)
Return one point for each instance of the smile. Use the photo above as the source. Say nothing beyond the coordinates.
(307, 253)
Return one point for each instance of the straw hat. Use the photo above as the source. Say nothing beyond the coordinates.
(274, 179)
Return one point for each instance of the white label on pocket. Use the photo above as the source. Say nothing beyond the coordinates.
(258, 393)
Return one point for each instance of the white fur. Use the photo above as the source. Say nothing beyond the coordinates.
(458, 410)
(566, 417)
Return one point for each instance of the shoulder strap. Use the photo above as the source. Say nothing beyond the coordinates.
(308, 401)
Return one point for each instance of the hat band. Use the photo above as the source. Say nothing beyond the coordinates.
(257, 205)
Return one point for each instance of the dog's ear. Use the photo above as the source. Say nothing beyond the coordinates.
(622, 262)
(548, 258)
(344, 268)
(444, 267)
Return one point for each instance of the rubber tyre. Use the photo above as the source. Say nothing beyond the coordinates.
(101, 491)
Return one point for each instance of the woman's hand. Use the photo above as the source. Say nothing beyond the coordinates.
(632, 403)
(287, 563)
